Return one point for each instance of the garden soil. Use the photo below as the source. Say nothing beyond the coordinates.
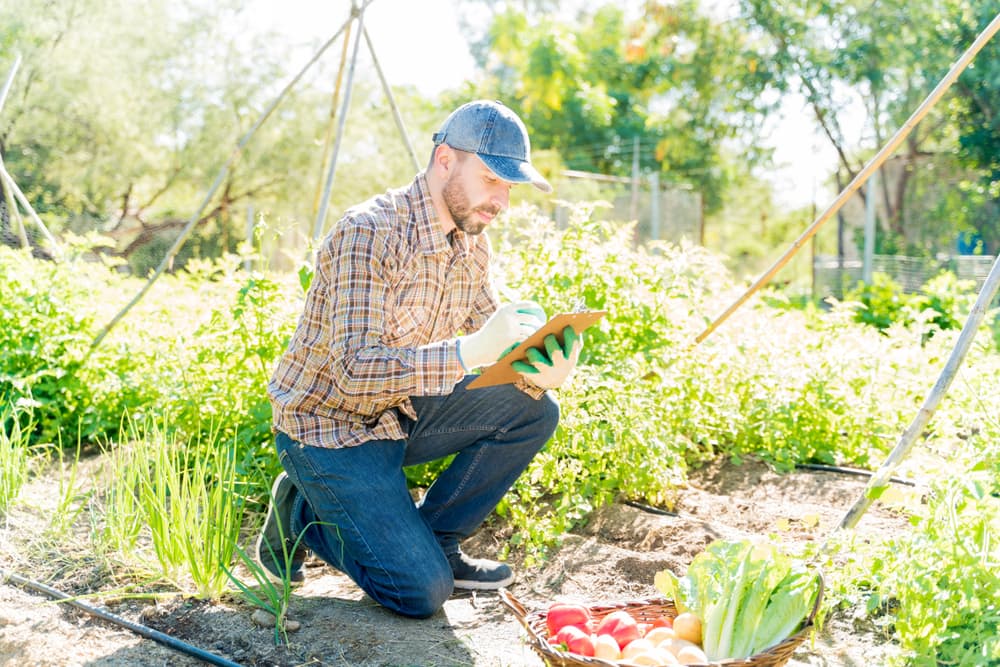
(612, 558)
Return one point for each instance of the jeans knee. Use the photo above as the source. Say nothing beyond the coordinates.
(426, 599)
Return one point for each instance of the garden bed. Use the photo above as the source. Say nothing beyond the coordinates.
(613, 557)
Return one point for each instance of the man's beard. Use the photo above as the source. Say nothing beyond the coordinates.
(461, 210)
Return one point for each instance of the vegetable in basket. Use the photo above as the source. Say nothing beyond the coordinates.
(749, 596)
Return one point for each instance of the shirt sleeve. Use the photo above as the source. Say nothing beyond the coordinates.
(356, 266)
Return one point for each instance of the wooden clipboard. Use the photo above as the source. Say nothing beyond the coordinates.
(502, 373)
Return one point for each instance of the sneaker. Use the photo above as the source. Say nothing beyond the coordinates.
(479, 574)
(278, 526)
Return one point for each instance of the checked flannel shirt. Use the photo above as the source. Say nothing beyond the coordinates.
(388, 295)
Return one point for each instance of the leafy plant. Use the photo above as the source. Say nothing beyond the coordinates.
(272, 597)
(942, 304)
(945, 578)
(749, 596)
(14, 458)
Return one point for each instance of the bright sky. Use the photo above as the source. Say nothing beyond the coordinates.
(420, 43)
(417, 42)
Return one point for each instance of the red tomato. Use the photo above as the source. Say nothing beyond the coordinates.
(663, 622)
(620, 625)
(576, 640)
(560, 615)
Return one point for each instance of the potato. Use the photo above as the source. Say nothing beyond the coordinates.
(657, 635)
(655, 657)
(675, 645)
(692, 655)
(606, 648)
(688, 626)
(637, 646)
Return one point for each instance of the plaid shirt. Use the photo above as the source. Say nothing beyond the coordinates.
(388, 295)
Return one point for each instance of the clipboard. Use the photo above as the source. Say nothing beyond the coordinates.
(502, 373)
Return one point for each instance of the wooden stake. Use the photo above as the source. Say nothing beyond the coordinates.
(189, 227)
(868, 170)
(880, 480)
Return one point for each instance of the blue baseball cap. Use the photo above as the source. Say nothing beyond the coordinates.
(494, 133)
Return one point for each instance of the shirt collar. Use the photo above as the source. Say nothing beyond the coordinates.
(431, 238)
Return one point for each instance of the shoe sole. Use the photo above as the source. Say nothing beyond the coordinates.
(471, 585)
(296, 578)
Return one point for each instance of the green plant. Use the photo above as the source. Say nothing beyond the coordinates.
(72, 500)
(945, 579)
(942, 303)
(272, 597)
(14, 458)
(187, 493)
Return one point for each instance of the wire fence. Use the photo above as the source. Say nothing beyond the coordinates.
(833, 276)
(17, 231)
(662, 211)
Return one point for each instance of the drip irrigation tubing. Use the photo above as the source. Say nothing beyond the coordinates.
(851, 471)
(147, 632)
(806, 466)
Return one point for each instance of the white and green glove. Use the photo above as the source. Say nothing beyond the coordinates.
(550, 369)
(505, 329)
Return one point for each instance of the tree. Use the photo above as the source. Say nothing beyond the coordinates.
(688, 87)
(890, 54)
(976, 113)
(123, 114)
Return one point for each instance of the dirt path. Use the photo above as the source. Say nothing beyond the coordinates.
(613, 558)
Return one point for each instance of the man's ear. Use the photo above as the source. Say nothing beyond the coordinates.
(444, 159)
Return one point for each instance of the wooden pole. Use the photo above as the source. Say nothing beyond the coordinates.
(13, 215)
(880, 480)
(8, 181)
(192, 221)
(392, 103)
(331, 126)
(863, 175)
(10, 81)
(325, 201)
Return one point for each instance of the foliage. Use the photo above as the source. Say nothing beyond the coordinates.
(945, 576)
(188, 81)
(887, 57)
(976, 111)
(591, 86)
(942, 304)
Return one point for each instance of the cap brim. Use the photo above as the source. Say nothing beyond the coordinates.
(515, 171)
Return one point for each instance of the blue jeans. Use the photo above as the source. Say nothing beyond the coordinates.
(369, 527)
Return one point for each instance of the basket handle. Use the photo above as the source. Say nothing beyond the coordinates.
(512, 603)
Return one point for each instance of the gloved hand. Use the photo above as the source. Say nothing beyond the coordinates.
(549, 372)
(507, 327)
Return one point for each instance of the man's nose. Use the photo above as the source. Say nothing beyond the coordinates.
(501, 197)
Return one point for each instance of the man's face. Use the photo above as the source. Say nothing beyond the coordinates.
(473, 194)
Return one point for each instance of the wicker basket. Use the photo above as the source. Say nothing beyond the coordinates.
(644, 611)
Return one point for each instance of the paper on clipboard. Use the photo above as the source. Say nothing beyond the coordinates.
(502, 373)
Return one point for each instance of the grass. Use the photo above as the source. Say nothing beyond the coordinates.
(14, 457)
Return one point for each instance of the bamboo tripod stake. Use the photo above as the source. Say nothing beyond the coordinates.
(864, 174)
(880, 480)
(193, 220)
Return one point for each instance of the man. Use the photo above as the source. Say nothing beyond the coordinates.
(374, 379)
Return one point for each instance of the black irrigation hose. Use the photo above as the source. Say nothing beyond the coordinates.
(851, 471)
(806, 466)
(146, 632)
